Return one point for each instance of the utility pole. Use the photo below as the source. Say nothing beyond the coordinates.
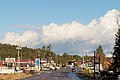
(83, 61)
(94, 64)
(99, 63)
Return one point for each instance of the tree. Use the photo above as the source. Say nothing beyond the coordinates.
(116, 53)
(44, 51)
(99, 49)
(101, 55)
(64, 58)
(49, 53)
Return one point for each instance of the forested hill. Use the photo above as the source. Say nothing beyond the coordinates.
(7, 50)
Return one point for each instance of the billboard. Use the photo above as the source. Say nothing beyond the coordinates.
(10, 60)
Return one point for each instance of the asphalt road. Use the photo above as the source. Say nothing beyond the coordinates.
(61, 74)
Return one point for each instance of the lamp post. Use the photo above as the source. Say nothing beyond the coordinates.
(18, 59)
(83, 59)
(84, 54)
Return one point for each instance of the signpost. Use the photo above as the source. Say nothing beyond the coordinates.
(37, 63)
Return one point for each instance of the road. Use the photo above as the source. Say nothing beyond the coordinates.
(61, 74)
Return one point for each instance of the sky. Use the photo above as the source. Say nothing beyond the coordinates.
(72, 26)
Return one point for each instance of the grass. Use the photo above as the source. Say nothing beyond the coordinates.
(15, 76)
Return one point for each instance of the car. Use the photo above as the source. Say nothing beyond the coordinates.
(73, 70)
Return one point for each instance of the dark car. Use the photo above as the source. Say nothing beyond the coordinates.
(73, 70)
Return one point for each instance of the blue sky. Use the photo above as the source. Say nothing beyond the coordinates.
(37, 13)
(41, 12)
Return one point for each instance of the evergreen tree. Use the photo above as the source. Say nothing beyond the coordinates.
(99, 49)
(116, 53)
(65, 58)
(100, 56)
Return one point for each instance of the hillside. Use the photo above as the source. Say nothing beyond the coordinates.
(7, 50)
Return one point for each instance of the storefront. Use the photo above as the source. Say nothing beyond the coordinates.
(10, 62)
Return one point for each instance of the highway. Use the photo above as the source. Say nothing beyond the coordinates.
(61, 74)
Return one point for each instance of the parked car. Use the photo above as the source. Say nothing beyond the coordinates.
(73, 69)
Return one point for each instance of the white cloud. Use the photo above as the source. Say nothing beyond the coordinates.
(62, 33)
(98, 31)
(29, 38)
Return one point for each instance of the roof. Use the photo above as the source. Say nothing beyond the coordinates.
(24, 61)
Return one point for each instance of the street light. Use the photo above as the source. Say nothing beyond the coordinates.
(85, 51)
(18, 59)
